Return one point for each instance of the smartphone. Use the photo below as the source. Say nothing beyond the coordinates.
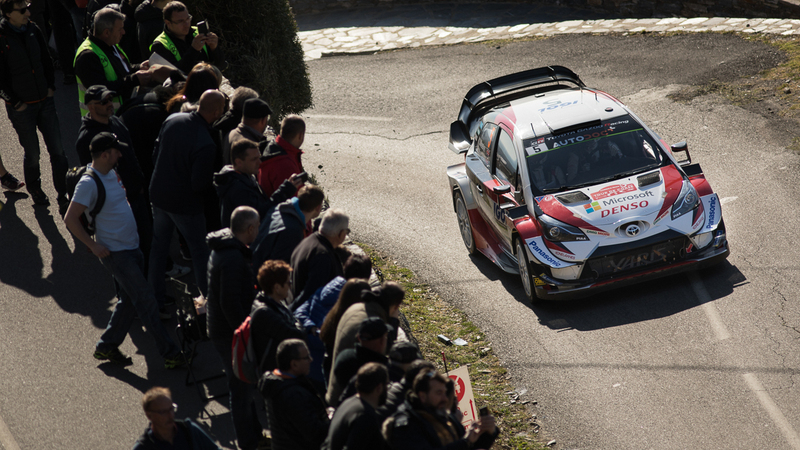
(483, 411)
(202, 27)
(303, 176)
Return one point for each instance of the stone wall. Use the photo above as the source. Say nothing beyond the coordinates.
(784, 9)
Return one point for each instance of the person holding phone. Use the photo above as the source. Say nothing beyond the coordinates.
(184, 45)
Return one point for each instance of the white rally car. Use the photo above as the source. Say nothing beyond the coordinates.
(567, 187)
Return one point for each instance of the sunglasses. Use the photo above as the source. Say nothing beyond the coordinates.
(23, 10)
(104, 102)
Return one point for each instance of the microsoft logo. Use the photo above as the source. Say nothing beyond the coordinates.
(592, 207)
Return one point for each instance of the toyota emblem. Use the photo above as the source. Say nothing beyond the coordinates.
(632, 230)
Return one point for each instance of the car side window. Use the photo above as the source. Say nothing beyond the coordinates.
(506, 159)
(485, 142)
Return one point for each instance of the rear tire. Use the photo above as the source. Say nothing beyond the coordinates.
(525, 272)
(464, 224)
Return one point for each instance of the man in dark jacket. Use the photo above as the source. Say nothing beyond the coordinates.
(232, 118)
(149, 24)
(281, 157)
(315, 261)
(184, 165)
(182, 44)
(297, 412)
(284, 227)
(231, 290)
(164, 430)
(27, 85)
(356, 424)
(371, 347)
(255, 116)
(99, 60)
(423, 422)
(236, 185)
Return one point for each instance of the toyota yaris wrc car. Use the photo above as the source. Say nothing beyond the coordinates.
(567, 187)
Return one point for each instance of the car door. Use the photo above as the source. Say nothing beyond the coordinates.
(479, 165)
(505, 183)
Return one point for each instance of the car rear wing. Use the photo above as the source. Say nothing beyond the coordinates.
(494, 92)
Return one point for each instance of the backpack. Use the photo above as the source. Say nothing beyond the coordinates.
(73, 177)
(245, 365)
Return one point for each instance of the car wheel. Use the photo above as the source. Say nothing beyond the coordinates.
(525, 272)
(464, 225)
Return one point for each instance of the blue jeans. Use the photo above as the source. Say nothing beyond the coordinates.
(242, 398)
(193, 228)
(40, 115)
(135, 297)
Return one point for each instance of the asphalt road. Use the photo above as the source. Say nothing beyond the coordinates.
(692, 361)
(687, 362)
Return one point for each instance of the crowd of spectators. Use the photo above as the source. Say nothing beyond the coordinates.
(168, 156)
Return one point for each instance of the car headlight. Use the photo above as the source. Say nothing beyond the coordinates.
(572, 272)
(558, 231)
(701, 240)
(687, 201)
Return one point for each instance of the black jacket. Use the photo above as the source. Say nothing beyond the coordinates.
(271, 324)
(355, 426)
(26, 70)
(409, 430)
(149, 24)
(345, 369)
(238, 189)
(128, 166)
(144, 118)
(89, 70)
(298, 419)
(190, 432)
(183, 159)
(281, 231)
(189, 56)
(314, 263)
(231, 284)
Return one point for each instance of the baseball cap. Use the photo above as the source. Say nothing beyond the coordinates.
(256, 108)
(373, 328)
(96, 93)
(404, 352)
(104, 141)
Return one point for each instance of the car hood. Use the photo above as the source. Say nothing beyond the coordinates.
(620, 213)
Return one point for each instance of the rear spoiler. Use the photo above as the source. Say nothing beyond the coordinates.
(493, 92)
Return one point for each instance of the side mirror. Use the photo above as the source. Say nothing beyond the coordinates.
(677, 149)
(502, 189)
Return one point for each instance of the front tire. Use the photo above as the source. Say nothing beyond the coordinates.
(464, 224)
(525, 272)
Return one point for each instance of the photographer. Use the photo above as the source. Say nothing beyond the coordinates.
(183, 45)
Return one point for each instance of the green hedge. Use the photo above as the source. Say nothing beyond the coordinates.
(259, 38)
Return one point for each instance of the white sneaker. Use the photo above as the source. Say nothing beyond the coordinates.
(178, 271)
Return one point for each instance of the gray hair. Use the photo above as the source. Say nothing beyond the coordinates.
(242, 217)
(105, 19)
(240, 95)
(334, 222)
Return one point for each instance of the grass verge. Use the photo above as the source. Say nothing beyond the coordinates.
(429, 316)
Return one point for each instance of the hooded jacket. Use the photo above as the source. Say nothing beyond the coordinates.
(281, 231)
(236, 189)
(346, 366)
(231, 284)
(128, 166)
(298, 418)
(279, 160)
(271, 324)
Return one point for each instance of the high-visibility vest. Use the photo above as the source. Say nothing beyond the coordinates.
(108, 70)
(166, 41)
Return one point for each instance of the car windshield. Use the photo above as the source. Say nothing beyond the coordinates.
(618, 148)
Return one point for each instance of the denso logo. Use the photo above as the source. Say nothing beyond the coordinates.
(610, 191)
(712, 212)
(621, 208)
(627, 198)
(543, 255)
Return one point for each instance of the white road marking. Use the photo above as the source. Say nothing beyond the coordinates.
(772, 410)
(727, 200)
(720, 330)
(338, 117)
(6, 439)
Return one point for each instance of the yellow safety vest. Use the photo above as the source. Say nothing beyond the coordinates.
(108, 70)
(166, 41)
